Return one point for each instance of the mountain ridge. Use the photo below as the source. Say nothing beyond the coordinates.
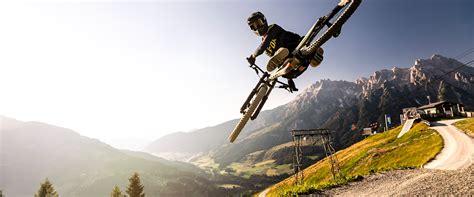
(82, 166)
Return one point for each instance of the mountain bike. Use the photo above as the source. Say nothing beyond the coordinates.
(292, 65)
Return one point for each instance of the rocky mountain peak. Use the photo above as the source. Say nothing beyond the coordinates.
(437, 64)
(423, 70)
(324, 90)
(325, 86)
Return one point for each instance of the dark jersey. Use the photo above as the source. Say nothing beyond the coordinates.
(277, 37)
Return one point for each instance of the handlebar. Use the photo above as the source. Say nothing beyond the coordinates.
(257, 68)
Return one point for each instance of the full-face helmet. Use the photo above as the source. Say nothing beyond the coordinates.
(258, 23)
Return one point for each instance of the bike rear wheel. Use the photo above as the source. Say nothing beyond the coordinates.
(250, 110)
(337, 20)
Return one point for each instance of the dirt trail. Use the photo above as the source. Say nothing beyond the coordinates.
(412, 183)
(458, 149)
(450, 173)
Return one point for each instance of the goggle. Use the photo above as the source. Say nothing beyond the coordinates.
(254, 25)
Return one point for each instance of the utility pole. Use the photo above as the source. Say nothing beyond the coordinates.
(325, 137)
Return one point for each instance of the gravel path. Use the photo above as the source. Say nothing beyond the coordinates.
(458, 151)
(450, 173)
(411, 183)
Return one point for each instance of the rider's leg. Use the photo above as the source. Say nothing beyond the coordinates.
(292, 85)
(316, 60)
(293, 74)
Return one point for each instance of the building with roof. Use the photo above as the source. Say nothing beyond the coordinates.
(443, 109)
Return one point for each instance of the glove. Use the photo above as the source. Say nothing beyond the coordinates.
(251, 59)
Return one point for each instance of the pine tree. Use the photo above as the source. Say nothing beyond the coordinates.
(116, 192)
(46, 190)
(135, 189)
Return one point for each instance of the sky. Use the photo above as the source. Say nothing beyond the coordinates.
(129, 72)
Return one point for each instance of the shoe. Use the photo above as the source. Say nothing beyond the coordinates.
(317, 58)
(278, 58)
(343, 3)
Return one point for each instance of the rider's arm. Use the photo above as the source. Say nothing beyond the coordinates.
(260, 48)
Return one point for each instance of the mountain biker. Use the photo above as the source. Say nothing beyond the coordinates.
(277, 42)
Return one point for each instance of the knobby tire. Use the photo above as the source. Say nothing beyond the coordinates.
(251, 109)
(332, 30)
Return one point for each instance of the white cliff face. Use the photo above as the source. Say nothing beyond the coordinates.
(327, 94)
(400, 76)
(423, 71)
(327, 89)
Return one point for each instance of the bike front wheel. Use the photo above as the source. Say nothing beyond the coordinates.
(262, 90)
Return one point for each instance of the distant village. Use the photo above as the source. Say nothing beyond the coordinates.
(442, 109)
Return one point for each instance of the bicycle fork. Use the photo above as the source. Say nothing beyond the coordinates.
(263, 80)
(254, 91)
(264, 99)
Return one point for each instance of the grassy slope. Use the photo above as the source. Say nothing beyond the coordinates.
(466, 125)
(377, 153)
(260, 163)
(268, 168)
